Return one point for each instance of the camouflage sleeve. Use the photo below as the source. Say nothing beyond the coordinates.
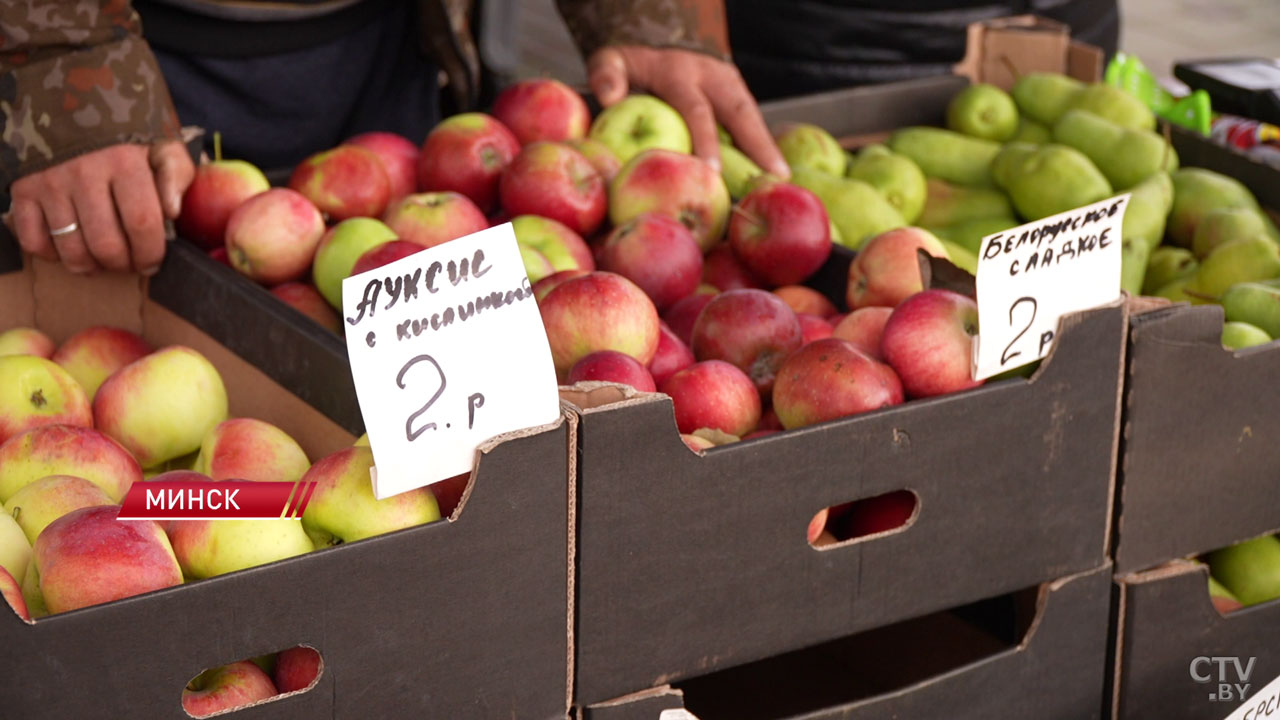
(75, 76)
(697, 25)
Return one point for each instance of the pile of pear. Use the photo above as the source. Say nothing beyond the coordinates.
(1051, 144)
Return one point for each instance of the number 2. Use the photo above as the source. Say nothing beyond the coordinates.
(409, 430)
(1006, 356)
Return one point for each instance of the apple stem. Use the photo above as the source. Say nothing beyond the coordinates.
(217, 146)
(737, 210)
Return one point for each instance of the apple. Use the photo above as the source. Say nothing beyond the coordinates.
(612, 366)
(714, 394)
(36, 392)
(307, 300)
(219, 689)
(679, 186)
(25, 341)
(384, 254)
(536, 265)
(449, 492)
(817, 525)
(829, 379)
(345, 182)
(722, 270)
(89, 556)
(297, 668)
(781, 233)
(434, 218)
(683, 314)
(67, 450)
(752, 329)
(599, 155)
(1224, 601)
(809, 146)
(466, 154)
(806, 300)
(598, 311)
(49, 498)
(672, 355)
(555, 181)
(15, 549)
(656, 253)
(399, 157)
(218, 188)
(928, 341)
(542, 109)
(886, 270)
(813, 328)
(638, 123)
(561, 246)
(864, 328)
(272, 237)
(93, 354)
(249, 449)
(162, 406)
(878, 514)
(1250, 570)
(541, 288)
(339, 250)
(769, 420)
(696, 443)
(11, 591)
(219, 255)
(343, 509)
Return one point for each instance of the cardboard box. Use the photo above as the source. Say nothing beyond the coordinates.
(1000, 51)
(1033, 654)
(1168, 635)
(463, 618)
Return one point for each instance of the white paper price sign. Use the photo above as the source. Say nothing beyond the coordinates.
(1030, 276)
(447, 350)
(1262, 705)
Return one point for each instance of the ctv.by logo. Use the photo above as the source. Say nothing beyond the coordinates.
(1228, 690)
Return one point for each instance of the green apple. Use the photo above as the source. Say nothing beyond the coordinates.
(15, 548)
(563, 248)
(536, 265)
(49, 498)
(809, 146)
(339, 250)
(1250, 570)
(25, 341)
(343, 508)
(638, 123)
(38, 392)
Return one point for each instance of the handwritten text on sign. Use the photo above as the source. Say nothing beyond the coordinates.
(1030, 276)
(447, 350)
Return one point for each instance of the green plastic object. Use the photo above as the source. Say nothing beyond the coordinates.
(1129, 74)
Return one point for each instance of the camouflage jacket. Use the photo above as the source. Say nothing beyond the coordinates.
(77, 76)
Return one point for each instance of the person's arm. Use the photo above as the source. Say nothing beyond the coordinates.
(677, 49)
(84, 108)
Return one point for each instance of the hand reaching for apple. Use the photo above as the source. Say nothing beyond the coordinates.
(104, 209)
(704, 90)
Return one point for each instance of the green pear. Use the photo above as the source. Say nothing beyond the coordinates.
(1237, 335)
(1053, 179)
(1256, 303)
(898, 179)
(809, 146)
(1197, 191)
(1030, 131)
(856, 208)
(946, 154)
(968, 234)
(1223, 225)
(1238, 261)
(1043, 97)
(1167, 264)
(960, 256)
(872, 150)
(983, 111)
(1250, 570)
(1133, 265)
(946, 204)
(1114, 104)
(1125, 156)
(1010, 157)
(737, 170)
(1148, 209)
(1176, 291)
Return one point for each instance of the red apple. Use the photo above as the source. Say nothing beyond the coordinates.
(805, 300)
(399, 158)
(864, 328)
(928, 341)
(696, 443)
(93, 354)
(769, 420)
(544, 286)
(542, 109)
(38, 392)
(886, 270)
(223, 688)
(555, 181)
(466, 154)
(345, 182)
(67, 450)
(434, 218)
(813, 328)
(671, 357)
(714, 394)
(272, 237)
(219, 255)
(251, 449)
(387, 252)
(722, 270)
(598, 311)
(308, 301)
(751, 329)
(878, 514)
(218, 188)
(26, 341)
(817, 525)
(658, 254)
(599, 155)
(760, 434)
(674, 184)
(11, 591)
(296, 668)
(830, 379)
(449, 492)
(781, 233)
(682, 315)
(612, 366)
(562, 247)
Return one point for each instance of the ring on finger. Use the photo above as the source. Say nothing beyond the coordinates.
(65, 229)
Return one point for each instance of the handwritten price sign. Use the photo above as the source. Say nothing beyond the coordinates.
(1030, 276)
(447, 350)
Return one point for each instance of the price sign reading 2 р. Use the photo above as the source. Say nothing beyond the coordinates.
(447, 350)
(1030, 276)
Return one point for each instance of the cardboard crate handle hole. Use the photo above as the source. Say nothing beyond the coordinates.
(862, 520)
(253, 681)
